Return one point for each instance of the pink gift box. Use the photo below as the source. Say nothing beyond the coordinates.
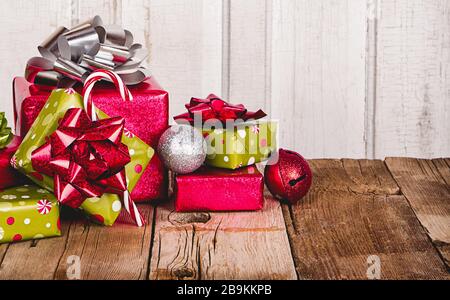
(147, 116)
(213, 189)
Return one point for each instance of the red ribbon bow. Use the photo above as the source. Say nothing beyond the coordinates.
(215, 108)
(86, 158)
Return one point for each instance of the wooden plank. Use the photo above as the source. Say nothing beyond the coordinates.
(241, 245)
(36, 259)
(318, 81)
(136, 19)
(186, 48)
(334, 232)
(3, 249)
(371, 76)
(23, 26)
(283, 72)
(443, 167)
(118, 252)
(249, 61)
(425, 184)
(413, 81)
(359, 176)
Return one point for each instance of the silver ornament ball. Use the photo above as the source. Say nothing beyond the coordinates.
(182, 149)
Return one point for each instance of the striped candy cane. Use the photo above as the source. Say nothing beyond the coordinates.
(131, 208)
(125, 93)
(92, 80)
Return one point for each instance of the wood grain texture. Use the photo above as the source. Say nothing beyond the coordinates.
(118, 252)
(345, 78)
(23, 26)
(357, 176)
(333, 231)
(413, 79)
(35, 259)
(241, 245)
(318, 81)
(425, 184)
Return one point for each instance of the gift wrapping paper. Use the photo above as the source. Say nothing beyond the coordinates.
(145, 117)
(106, 208)
(8, 175)
(214, 189)
(28, 212)
(8, 145)
(244, 145)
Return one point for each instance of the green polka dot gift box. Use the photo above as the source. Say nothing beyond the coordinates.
(104, 209)
(243, 145)
(28, 212)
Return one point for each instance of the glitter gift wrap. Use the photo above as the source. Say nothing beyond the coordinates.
(146, 117)
(213, 189)
(8, 145)
(244, 145)
(8, 175)
(28, 212)
(106, 208)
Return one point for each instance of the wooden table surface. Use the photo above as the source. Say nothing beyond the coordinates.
(397, 210)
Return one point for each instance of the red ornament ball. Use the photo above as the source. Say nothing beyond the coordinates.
(289, 178)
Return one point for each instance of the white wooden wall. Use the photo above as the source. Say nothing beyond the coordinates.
(345, 78)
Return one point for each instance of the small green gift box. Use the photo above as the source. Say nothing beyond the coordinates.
(243, 145)
(106, 208)
(28, 212)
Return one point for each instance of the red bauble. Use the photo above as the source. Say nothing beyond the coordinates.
(289, 178)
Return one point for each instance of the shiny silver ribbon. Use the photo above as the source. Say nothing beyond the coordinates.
(70, 55)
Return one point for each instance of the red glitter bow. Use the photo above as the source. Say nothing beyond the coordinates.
(215, 108)
(86, 158)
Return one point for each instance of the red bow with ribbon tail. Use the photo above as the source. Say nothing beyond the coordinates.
(215, 108)
(85, 156)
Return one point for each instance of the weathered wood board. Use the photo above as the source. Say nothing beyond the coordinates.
(318, 76)
(354, 217)
(426, 185)
(119, 252)
(241, 245)
(345, 78)
(337, 228)
(412, 79)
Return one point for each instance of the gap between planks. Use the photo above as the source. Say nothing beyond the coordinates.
(104, 252)
(353, 211)
(237, 245)
(426, 186)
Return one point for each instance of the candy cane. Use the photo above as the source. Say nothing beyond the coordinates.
(131, 208)
(92, 80)
(125, 93)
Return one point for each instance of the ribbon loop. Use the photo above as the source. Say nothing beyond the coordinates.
(215, 108)
(75, 53)
(86, 159)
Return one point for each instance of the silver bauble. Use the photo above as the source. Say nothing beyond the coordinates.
(182, 148)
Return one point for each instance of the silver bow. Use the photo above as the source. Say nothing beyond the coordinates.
(70, 55)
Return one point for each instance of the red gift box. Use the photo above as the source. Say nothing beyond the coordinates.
(213, 189)
(147, 117)
(9, 176)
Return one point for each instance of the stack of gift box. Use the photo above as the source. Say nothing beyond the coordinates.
(236, 140)
(94, 149)
(61, 154)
